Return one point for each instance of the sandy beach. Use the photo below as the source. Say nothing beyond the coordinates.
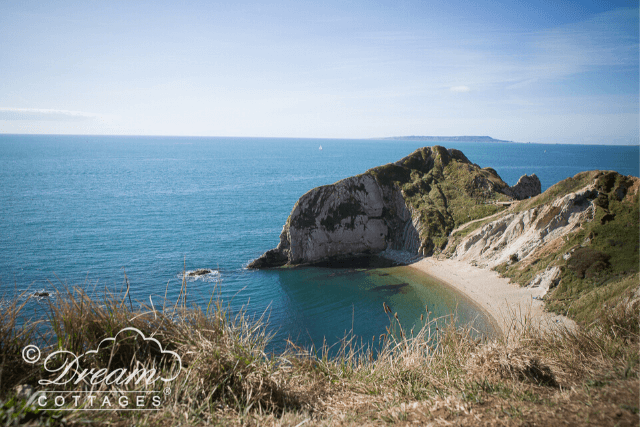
(508, 303)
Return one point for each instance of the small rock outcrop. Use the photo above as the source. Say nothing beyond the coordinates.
(526, 187)
(547, 279)
(411, 205)
(41, 294)
(199, 272)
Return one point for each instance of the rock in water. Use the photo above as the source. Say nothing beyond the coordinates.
(411, 205)
(41, 294)
(199, 272)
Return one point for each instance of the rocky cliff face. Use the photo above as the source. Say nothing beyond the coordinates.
(411, 205)
(516, 236)
(564, 232)
(354, 216)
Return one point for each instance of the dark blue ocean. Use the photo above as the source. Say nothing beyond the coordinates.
(83, 210)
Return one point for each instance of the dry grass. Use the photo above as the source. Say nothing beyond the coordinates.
(440, 375)
(13, 338)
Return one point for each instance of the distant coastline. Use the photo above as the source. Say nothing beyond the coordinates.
(446, 138)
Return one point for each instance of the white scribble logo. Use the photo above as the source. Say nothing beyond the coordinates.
(67, 368)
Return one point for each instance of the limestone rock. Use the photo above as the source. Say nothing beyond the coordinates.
(543, 228)
(524, 232)
(411, 205)
(271, 258)
(546, 280)
(354, 216)
(526, 187)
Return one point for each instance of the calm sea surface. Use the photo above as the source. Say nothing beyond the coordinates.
(83, 210)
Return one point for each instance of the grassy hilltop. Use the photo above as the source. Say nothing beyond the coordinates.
(445, 190)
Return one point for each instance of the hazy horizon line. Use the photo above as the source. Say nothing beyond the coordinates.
(377, 138)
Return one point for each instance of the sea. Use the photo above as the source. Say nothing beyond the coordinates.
(94, 212)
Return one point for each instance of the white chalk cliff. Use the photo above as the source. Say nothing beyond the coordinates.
(409, 205)
(527, 234)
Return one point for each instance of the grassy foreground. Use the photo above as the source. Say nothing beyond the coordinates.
(439, 377)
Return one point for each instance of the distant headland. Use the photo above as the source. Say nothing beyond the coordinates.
(447, 138)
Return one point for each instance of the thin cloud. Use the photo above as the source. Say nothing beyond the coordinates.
(522, 60)
(460, 89)
(44, 114)
(522, 84)
(606, 40)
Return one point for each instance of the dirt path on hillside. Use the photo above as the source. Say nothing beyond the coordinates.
(466, 224)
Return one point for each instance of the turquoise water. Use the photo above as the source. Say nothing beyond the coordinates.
(82, 210)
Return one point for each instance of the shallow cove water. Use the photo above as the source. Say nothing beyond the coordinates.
(353, 298)
(83, 210)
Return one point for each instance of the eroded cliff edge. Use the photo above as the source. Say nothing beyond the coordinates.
(578, 236)
(411, 205)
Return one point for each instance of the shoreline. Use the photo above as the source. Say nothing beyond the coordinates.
(511, 306)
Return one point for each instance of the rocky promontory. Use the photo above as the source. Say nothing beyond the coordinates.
(411, 205)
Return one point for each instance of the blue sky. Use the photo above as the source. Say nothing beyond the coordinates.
(545, 71)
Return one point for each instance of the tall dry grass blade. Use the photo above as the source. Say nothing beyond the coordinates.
(127, 294)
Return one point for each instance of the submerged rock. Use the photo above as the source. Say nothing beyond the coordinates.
(411, 206)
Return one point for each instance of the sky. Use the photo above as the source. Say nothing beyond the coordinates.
(541, 71)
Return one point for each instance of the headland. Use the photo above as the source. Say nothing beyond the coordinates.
(522, 255)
